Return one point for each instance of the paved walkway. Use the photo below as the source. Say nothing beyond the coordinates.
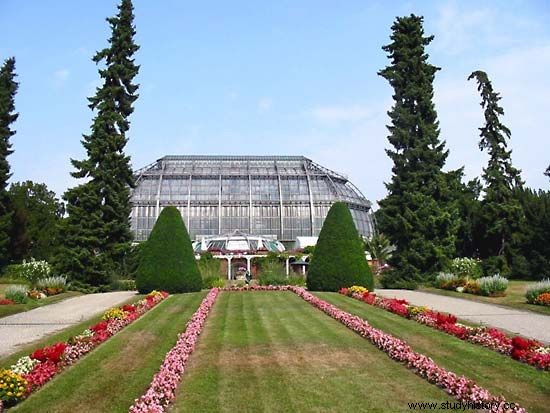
(22, 328)
(526, 323)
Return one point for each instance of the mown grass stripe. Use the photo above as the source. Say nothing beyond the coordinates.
(264, 370)
(499, 374)
(109, 378)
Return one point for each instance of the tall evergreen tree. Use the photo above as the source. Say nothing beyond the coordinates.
(97, 231)
(547, 172)
(8, 89)
(418, 215)
(502, 215)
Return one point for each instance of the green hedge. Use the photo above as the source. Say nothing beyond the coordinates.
(338, 259)
(167, 261)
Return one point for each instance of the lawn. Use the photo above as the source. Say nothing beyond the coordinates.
(273, 352)
(515, 297)
(499, 374)
(110, 377)
(6, 310)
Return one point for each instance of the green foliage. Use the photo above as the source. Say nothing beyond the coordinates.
(97, 233)
(492, 286)
(8, 90)
(379, 248)
(495, 265)
(533, 240)
(12, 272)
(466, 267)
(209, 266)
(123, 285)
(501, 214)
(339, 259)
(167, 259)
(213, 282)
(37, 214)
(17, 293)
(34, 270)
(419, 215)
(537, 289)
(309, 249)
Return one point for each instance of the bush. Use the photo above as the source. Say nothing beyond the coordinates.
(492, 286)
(52, 285)
(448, 281)
(209, 267)
(339, 259)
(167, 260)
(495, 265)
(543, 299)
(17, 293)
(537, 289)
(213, 282)
(123, 285)
(33, 270)
(12, 273)
(81, 287)
(272, 273)
(466, 268)
(471, 287)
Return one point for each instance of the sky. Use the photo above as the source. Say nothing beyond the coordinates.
(290, 77)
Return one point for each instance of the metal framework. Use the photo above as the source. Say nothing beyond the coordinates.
(277, 196)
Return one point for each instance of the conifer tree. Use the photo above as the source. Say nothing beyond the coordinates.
(97, 231)
(418, 214)
(8, 89)
(501, 213)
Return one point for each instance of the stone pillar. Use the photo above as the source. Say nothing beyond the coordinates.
(229, 267)
(287, 266)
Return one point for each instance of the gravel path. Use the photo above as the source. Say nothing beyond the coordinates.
(22, 328)
(526, 323)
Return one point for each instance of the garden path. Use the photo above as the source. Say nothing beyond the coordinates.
(528, 324)
(22, 328)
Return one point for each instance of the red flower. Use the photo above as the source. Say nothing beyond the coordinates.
(51, 353)
(520, 343)
(101, 326)
(6, 301)
(40, 374)
(129, 308)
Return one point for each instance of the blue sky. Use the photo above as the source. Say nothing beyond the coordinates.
(284, 77)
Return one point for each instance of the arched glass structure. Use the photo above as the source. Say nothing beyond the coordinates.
(281, 197)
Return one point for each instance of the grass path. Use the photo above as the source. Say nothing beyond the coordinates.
(272, 352)
(500, 374)
(515, 297)
(109, 378)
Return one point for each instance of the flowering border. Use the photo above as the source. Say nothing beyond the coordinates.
(45, 363)
(462, 388)
(162, 389)
(527, 351)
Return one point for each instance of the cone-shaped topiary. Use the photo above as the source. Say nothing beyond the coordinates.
(338, 260)
(167, 261)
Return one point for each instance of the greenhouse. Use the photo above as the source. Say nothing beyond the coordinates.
(278, 197)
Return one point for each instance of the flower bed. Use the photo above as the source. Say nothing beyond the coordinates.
(32, 372)
(463, 389)
(528, 351)
(162, 389)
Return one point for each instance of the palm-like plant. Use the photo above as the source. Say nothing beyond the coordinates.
(379, 248)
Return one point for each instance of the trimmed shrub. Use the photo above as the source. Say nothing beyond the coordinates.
(492, 286)
(17, 293)
(537, 289)
(339, 259)
(167, 260)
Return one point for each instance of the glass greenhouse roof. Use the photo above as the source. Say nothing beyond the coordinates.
(278, 196)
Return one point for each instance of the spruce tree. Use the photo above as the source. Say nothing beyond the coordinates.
(502, 216)
(339, 258)
(97, 231)
(8, 89)
(418, 214)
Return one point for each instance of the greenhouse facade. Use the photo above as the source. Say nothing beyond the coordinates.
(281, 197)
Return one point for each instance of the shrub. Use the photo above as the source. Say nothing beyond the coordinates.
(52, 283)
(123, 285)
(339, 259)
(209, 266)
(472, 287)
(466, 268)
(33, 270)
(296, 280)
(167, 260)
(213, 282)
(13, 272)
(537, 289)
(492, 286)
(495, 265)
(17, 293)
